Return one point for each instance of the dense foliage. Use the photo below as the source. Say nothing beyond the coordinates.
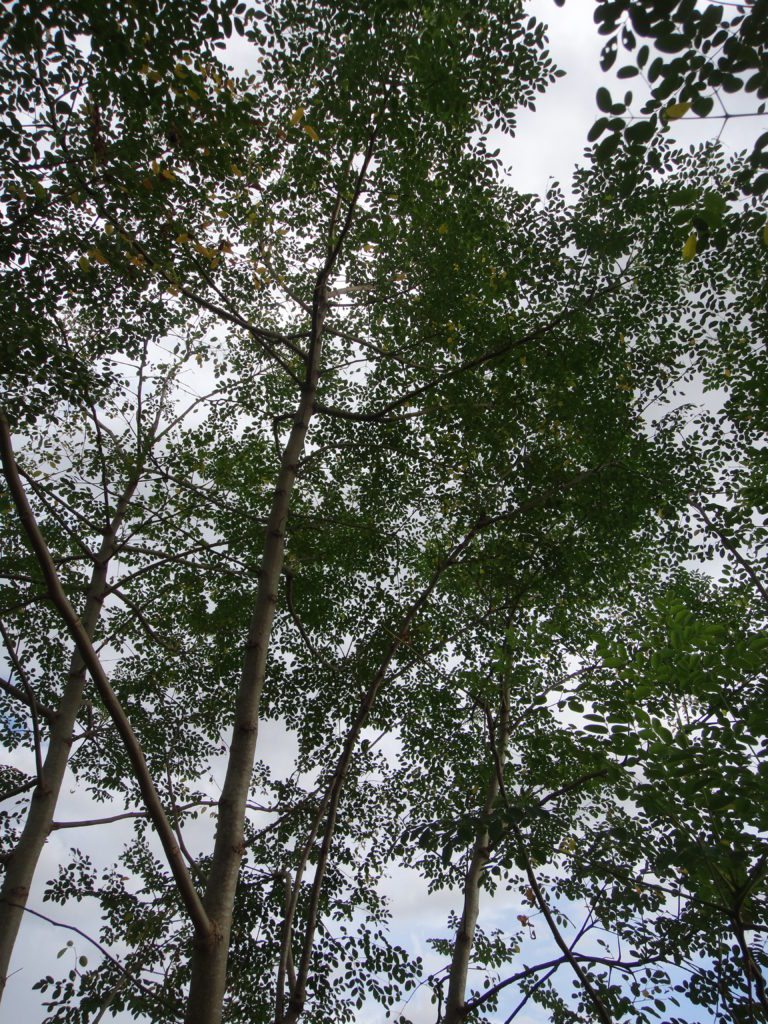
(309, 418)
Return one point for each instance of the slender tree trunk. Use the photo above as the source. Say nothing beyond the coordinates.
(209, 959)
(22, 862)
(752, 972)
(462, 946)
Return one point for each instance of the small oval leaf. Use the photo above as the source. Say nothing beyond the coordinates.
(676, 110)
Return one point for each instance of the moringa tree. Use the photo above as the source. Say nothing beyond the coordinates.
(447, 466)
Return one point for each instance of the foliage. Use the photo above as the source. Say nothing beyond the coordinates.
(295, 375)
(693, 56)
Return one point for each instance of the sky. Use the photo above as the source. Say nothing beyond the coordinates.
(548, 144)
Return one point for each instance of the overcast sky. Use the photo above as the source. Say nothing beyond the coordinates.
(549, 143)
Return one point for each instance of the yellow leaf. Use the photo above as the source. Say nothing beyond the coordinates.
(147, 183)
(236, 170)
(173, 289)
(205, 251)
(689, 249)
(311, 133)
(182, 238)
(84, 264)
(193, 95)
(765, 235)
(155, 167)
(443, 229)
(97, 256)
(297, 115)
(676, 110)
(226, 247)
(168, 174)
(155, 76)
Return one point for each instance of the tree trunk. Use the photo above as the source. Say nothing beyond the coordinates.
(22, 862)
(462, 946)
(209, 958)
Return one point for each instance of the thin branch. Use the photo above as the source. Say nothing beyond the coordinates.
(570, 786)
(573, 960)
(23, 787)
(292, 612)
(31, 700)
(46, 497)
(338, 778)
(180, 808)
(383, 412)
(511, 980)
(155, 996)
(142, 620)
(602, 1012)
(14, 691)
(541, 981)
(729, 545)
(175, 812)
(102, 462)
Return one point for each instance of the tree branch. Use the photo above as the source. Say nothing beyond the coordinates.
(86, 650)
(14, 691)
(31, 701)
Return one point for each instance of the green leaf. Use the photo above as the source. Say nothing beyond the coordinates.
(597, 129)
(604, 101)
(640, 132)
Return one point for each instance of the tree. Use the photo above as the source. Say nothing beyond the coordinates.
(417, 521)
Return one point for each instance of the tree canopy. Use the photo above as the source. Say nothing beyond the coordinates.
(311, 421)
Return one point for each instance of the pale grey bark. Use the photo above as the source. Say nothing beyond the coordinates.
(462, 946)
(90, 659)
(332, 798)
(209, 958)
(22, 860)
